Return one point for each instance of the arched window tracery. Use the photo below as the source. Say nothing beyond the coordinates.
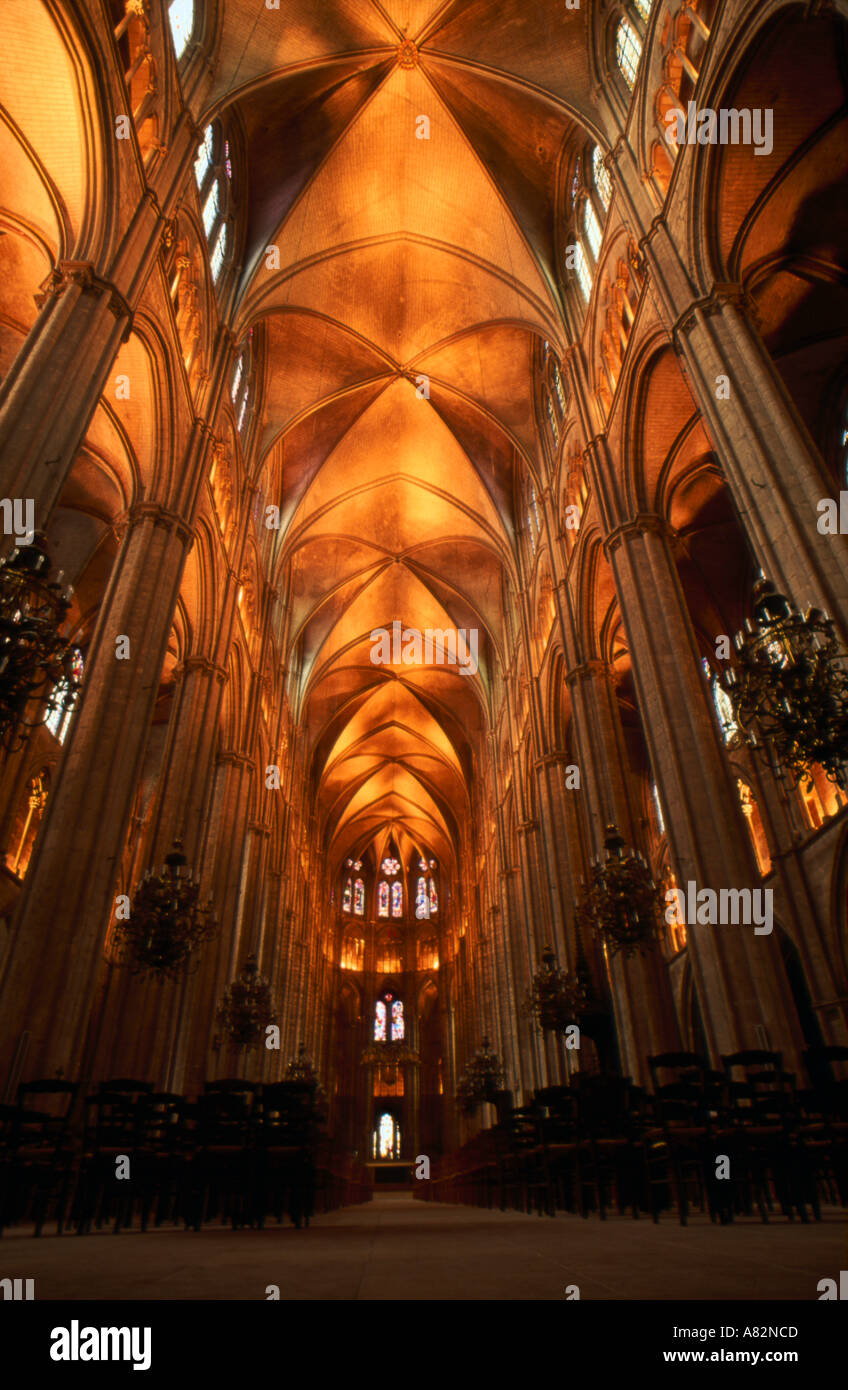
(359, 898)
(213, 174)
(601, 175)
(628, 50)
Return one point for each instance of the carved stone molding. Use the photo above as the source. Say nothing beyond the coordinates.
(587, 670)
(712, 303)
(645, 523)
(83, 275)
(160, 516)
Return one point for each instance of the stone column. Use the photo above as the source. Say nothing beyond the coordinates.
(646, 1021)
(773, 468)
(220, 873)
(55, 382)
(163, 1010)
(739, 977)
(67, 901)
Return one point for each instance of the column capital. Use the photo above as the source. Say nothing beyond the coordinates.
(646, 523)
(554, 759)
(232, 759)
(721, 294)
(83, 274)
(202, 664)
(587, 670)
(141, 512)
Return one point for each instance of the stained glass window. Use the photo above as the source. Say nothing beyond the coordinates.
(422, 901)
(380, 1022)
(210, 208)
(389, 867)
(219, 253)
(181, 17)
(237, 376)
(592, 228)
(552, 419)
(204, 155)
(584, 275)
(658, 808)
(397, 1021)
(242, 412)
(386, 1141)
(575, 182)
(347, 896)
(359, 898)
(383, 899)
(628, 51)
(722, 702)
(603, 182)
(644, 8)
(558, 387)
(228, 163)
(434, 899)
(397, 899)
(59, 719)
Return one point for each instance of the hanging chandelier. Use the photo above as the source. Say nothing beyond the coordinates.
(167, 922)
(482, 1079)
(622, 903)
(247, 1008)
(789, 686)
(389, 1054)
(37, 661)
(557, 998)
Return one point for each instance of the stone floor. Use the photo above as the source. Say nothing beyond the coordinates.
(397, 1248)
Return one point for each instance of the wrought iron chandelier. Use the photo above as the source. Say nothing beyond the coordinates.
(36, 657)
(557, 997)
(789, 686)
(389, 1054)
(482, 1078)
(247, 1007)
(622, 903)
(167, 922)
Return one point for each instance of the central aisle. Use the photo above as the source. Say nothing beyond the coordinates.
(398, 1248)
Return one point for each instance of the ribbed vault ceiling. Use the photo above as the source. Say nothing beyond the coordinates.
(399, 257)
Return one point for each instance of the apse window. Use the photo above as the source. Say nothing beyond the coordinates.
(386, 1138)
(181, 19)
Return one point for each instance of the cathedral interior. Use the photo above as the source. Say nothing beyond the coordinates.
(423, 433)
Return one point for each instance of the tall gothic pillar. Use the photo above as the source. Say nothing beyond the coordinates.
(67, 900)
(220, 873)
(163, 1009)
(772, 466)
(646, 1022)
(739, 976)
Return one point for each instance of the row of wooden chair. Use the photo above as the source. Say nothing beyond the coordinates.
(724, 1142)
(240, 1153)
